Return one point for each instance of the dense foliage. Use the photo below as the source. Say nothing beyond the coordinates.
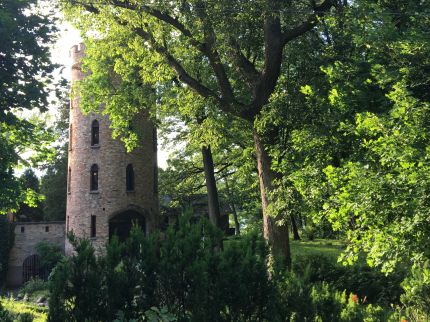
(30, 211)
(53, 187)
(189, 278)
(25, 70)
(352, 139)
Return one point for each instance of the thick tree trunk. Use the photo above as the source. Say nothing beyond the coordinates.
(233, 208)
(296, 235)
(276, 234)
(213, 203)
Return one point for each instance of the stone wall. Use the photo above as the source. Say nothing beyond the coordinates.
(27, 236)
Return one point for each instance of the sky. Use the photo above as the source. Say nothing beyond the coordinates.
(69, 37)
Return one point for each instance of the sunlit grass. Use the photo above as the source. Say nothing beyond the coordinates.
(40, 314)
(327, 247)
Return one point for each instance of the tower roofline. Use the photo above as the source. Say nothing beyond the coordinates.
(76, 48)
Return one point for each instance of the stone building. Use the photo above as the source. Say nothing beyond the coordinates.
(108, 188)
(24, 262)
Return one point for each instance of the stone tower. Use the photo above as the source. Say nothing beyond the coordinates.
(108, 189)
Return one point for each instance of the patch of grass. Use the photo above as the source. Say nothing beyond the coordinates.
(326, 247)
(40, 314)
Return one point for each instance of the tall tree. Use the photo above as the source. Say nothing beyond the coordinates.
(379, 194)
(54, 182)
(358, 158)
(238, 45)
(54, 187)
(34, 211)
(25, 69)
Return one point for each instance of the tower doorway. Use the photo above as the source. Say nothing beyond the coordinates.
(121, 224)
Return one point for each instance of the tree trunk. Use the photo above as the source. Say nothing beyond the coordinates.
(213, 203)
(294, 228)
(233, 208)
(276, 235)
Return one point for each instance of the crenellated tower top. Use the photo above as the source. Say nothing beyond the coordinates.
(76, 53)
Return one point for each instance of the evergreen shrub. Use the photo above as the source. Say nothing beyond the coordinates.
(186, 272)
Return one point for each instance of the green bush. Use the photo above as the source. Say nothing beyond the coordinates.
(34, 285)
(301, 300)
(359, 279)
(50, 255)
(417, 290)
(187, 273)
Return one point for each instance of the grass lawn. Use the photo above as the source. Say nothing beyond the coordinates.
(40, 314)
(327, 247)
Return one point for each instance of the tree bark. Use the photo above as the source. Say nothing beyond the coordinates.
(276, 234)
(233, 208)
(296, 235)
(213, 201)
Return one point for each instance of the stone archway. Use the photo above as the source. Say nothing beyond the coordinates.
(121, 223)
(32, 268)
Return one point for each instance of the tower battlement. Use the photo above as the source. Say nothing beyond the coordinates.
(76, 53)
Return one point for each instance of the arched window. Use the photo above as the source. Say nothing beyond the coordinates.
(95, 133)
(94, 178)
(129, 175)
(69, 183)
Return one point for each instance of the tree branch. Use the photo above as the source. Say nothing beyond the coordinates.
(227, 100)
(274, 42)
(310, 23)
(175, 65)
(273, 48)
(163, 16)
(207, 48)
(213, 55)
(246, 68)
